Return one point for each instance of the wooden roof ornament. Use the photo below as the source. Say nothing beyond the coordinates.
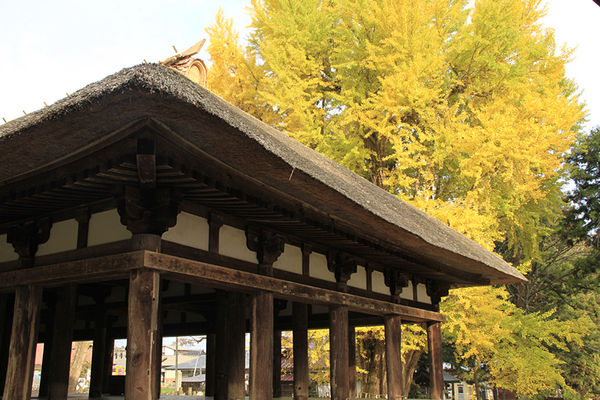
(185, 62)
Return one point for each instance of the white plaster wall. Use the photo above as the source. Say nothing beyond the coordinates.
(105, 227)
(290, 260)
(190, 230)
(318, 267)
(232, 243)
(378, 283)
(7, 252)
(422, 296)
(359, 279)
(63, 237)
(407, 292)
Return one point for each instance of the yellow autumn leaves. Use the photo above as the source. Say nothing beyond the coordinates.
(464, 112)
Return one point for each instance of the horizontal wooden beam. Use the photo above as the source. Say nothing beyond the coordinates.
(117, 266)
(104, 268)
(184, 269)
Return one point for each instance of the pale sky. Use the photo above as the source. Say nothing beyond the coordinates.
(50, 48)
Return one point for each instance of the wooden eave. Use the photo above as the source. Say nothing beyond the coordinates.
(85, 155)
(93, 177)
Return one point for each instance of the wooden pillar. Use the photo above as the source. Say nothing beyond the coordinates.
(142, 332)
(6, 311)
(393, 356)
(46, 358)
(338, 352)
(210, 364)
(62, 339)
(276, 363)
(261, 346)
(236, 369)
(148, 211)
(109, 351)
(158, 353)
(352, 360)
(23, 342)
(268, 247)
(300, 343)
(25, 239)
(43, 392)
(98, 371)
(436, 378)
(222, 347)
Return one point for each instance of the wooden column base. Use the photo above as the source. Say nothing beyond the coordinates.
(23, 342)
(261, 347)
(436, 378)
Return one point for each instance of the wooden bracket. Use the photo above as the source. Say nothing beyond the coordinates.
(268, 247)
(395, 280)
(148, 210)
(146, 162)
(26, 238)
(436, 290)
(343, 266)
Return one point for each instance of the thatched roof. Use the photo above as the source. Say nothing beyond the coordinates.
(45, 137)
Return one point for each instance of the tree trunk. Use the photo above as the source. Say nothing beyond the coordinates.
(381, 372)
(80, 350)
(476, 383)
(370, 365)
(412, 359)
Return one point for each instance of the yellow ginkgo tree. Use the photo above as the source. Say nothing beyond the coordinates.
(461, 108)
(511, 349)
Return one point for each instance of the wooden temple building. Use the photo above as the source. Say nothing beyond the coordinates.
(145, 206)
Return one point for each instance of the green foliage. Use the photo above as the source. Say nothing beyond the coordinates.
(564, 284)
(581, 364)
(585, 173)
